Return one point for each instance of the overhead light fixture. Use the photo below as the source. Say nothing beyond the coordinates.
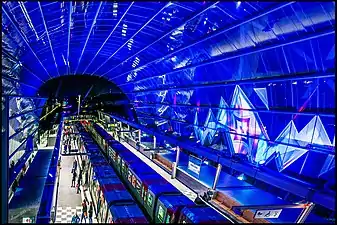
(238, 4)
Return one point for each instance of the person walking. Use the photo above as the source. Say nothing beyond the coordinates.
(90, 212)
(75, 164)
(84, 211)
(73, 179)
(75, 219)
(79, 181)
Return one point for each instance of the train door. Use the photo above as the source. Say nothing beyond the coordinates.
(144, 193)
(149, 202)
(118, 163)
(160, 214)
(111, 154)
(129, 177)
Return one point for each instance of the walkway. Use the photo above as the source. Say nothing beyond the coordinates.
(68, 201)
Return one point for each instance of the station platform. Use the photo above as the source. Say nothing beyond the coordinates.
(68, 200)
(27, 197)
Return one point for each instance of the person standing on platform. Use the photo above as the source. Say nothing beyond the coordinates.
(84, 211)
(74, 165)
(73, 179)
(86, 178)
(90, 212)
(79, 181)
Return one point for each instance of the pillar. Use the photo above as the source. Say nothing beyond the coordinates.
(4, 158)
(154, 142)
(175, 164)
(79, 105)
(140, 136)
(305, 213)
(217, 175)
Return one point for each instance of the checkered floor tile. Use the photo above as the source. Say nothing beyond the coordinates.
(64, 215)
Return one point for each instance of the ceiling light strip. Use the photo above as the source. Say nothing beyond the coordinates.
(50, 44)
(99, 50)
(70, 15)
(209, 37)
(89, 34)
(149, 21)
(259, 50)
(165, 35)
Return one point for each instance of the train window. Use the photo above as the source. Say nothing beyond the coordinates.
(168, 217)
(149, 200)
(138, 186)
(129, 176)
(134, 181)
(160, 213)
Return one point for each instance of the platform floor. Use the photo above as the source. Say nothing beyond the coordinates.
(68, 201)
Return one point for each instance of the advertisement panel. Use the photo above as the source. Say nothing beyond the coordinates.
(194, 164)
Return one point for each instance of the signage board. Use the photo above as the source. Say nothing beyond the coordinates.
(194, 164)
(28, 220)
(268, 214)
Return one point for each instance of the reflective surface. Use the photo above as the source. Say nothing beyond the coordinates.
(255, 76)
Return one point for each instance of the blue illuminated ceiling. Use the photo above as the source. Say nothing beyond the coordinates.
(261, 73)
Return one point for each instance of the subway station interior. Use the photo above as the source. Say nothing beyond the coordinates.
(168, 112)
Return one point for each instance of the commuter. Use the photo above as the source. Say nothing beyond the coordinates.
(79, 181)
(73, 179)
(69, 147)
(90, 212)
(78, 190)
(75, 219)
(75, 164)
(84, 211)
(12, 165)
(83, 164)
(86, 178)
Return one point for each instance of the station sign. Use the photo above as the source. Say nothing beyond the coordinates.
(268, 214)
(28, 220)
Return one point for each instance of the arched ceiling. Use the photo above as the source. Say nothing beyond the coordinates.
(183, 64)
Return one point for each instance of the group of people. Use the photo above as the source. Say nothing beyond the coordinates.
(68, 138)
(85, 213)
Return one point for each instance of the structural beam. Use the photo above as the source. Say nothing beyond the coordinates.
(175, 165)
(217, 175)
(4, 158)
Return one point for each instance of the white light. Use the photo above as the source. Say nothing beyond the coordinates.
(124, 25)
(50, 175)
(163, 18)
(114, 11)
(168, 19)
(241, 177)
(262, 162)
(124, 34)
(170, 14)
(123, 31)
(238, 4)
(205, 22)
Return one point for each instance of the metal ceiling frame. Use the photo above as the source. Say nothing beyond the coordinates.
(222, 58)
(24, 39)
(205, 38)
(113, 30)
(149, 21)
(165, 35)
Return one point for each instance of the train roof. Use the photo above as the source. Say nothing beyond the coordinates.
(157, 189)
(138, 166)
(116, 196)
(129, 213)
(151, 178)
(202, 215)
(173, 201)
(104, 171)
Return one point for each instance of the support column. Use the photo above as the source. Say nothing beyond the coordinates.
(140, 136)
(217, 175)
(154, 142)
(305, 213)
(79, 105)
(175, 164)
(4, 158)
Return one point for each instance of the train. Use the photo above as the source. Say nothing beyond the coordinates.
(160, 199)
(111, 200)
